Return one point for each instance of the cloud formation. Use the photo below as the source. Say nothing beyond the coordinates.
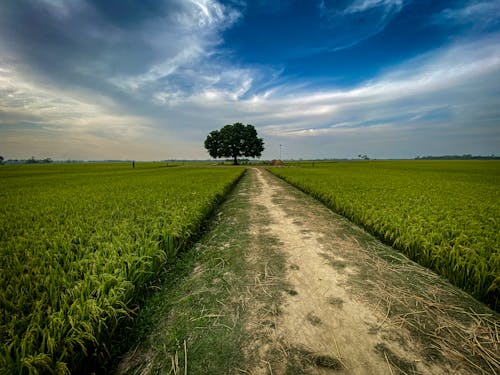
(87, 79)
(340, 20)
(483, 14)
(104, 70)
(440, 94)
(364, 5)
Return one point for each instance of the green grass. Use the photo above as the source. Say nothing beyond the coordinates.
(213, 296)
(443, 214)
(81, 243)
(194, 304)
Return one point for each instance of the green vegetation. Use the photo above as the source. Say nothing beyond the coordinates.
(199, 318)
(234, 141)
(79, 246)
(443, 214)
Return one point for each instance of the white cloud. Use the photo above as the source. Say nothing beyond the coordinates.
(44, 121)
(436, 95)
(483, 13)
(364, 5)
(185, 88)
(179, 63)
(440, 96)
(185, 40)
(349, 24)
(63, 111)
(188, 55)
(213, 14)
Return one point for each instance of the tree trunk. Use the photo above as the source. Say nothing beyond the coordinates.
(235, 162)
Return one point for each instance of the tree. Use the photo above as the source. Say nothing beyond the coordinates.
(234, 141)
(363, 156)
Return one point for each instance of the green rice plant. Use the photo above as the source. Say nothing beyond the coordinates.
(442, 214)
(79, 245)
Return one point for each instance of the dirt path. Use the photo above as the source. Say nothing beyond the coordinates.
(280, 284)
(350, 301)
(319, 316)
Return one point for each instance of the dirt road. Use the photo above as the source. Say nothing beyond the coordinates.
(351, 300)
(318, 295)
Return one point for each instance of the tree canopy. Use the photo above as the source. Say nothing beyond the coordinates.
(234, 141)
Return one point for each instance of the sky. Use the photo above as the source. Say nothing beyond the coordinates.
(149, 79)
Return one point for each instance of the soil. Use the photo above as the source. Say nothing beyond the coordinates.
(335, 314)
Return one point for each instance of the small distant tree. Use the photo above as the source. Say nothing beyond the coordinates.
(1, 159)
(233, 141)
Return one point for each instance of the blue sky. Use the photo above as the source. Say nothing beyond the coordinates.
(148, 80)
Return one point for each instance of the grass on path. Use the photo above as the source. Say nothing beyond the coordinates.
(196, 320)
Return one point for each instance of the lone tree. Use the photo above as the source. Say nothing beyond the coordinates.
(234, 141)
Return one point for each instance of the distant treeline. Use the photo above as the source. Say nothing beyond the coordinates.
(49, 160)
(458, 157)
(32, 160)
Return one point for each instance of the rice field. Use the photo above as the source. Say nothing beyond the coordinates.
(444, 215)
(79, 244)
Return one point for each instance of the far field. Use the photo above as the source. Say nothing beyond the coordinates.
(81, 245)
